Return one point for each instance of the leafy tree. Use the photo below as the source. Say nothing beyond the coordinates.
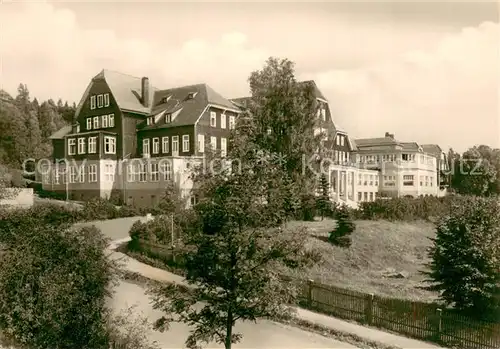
(340, 236)
(474, 174)
(324, 203)
(234, 255)
(284, 116)
(54, 283)
(465, 257)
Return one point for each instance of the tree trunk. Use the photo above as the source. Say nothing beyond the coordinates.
(229, 329)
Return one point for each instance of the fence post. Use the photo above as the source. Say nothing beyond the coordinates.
(369, 308)
(309, 293)
(439, 324)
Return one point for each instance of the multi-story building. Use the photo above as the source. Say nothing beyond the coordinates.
(404, 168)
(130, 138)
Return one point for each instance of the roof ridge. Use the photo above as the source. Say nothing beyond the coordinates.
(119, 72)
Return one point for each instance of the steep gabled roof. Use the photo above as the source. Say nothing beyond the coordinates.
(189, 109)
(413, 146)
(59, 134)
(126, 90)
(317, 92)
(432, 149)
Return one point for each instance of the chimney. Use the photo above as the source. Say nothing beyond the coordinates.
(389, 135)
(145, 91)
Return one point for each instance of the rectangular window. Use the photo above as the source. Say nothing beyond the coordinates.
(80, 174)
(99, 101)
(185, 143)
(111, 120)
(131, 172)
(156, 145)
(213, 142)
(223, 147)
(323, 114)
(109, 145)
(213, 119)
(56, 176)
(431, 180)
(106, 99)
(175, 144)
(89, 123)
(153, 169)
(72, 174)
(166, 170)
(71, 146)
(201, 143)
(360, 196)
(145, 146)
(78, 128)
(92, 145)
(104, 121)
(92, 173)
(142, 173)
(338, 140)
(223, 120)
(109, 173)
(371, 196)
(360, 178)
(231, 122)
(168, 118)
(365, 196)
(96, 122)
(164, 145)
(408, 180)
(92, 102)
(81, 145)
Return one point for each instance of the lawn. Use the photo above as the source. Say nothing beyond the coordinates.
(379, 248)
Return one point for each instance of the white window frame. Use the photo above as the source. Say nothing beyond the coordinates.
(71, 143)
(156, 145)
(168, 118)
(153, 172)
(164, 144)
(185, 143)
(146, 146)
(201, 143)
(109, 173)
(338, 140)
(175, 144)
(100, 103)
(55, 177)
(106, 99)
(89, 123)
(104, 121)
(92, 145)
(92, 102)
(213, 142)
(213, 119)
(81, 145)
(143, 172)
(80, 176)
(342, 141)
(109, 141)
(92, 173)
(323, 114)
(111, 120)
(96, 122)
(223, 117)
(166, 170)
(232, 124)
(223, 146)
(72, 174)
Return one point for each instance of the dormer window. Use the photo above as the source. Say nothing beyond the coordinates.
(168, 118)
(191, 95)
(150, 120)
(165, 99)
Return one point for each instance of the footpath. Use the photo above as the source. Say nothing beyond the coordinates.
(327, 322)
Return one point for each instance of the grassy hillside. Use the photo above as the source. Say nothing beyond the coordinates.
(377, 247)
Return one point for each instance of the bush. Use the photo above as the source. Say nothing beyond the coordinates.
(465, 257)
(99, 209)
(408, 209)
(53, 287)
(158, 230)
(129, 211)
(307, 210)
(340, 236)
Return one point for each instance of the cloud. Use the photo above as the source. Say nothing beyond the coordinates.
(420, 83)
(448, 95)
(46, 48)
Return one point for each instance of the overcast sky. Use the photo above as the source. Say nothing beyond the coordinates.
(428, 72)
